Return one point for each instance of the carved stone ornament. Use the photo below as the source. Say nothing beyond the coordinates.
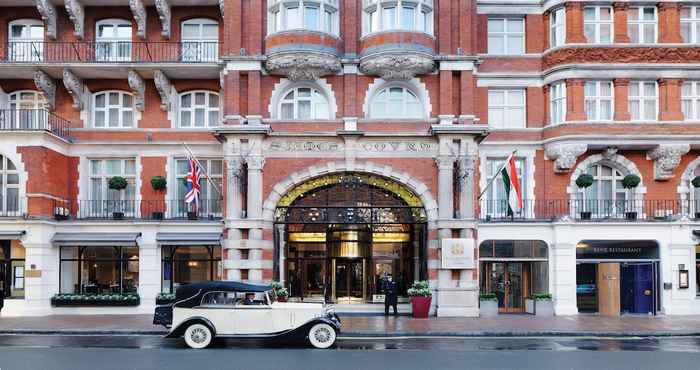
(139, 12)
(138, 87)
(255, 162)
(621, 55)
(564, 155)
(609, 152)
(48, 15)
(402, 66)
(466, 167)
(164, 88)
(666, 158)
(445, 162)
(163, 8)
(234, 167)
(45, 84)
(221, 7)
(303, 65)
(75, 88)
(76, 13)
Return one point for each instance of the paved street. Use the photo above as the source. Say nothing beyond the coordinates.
(50, 352)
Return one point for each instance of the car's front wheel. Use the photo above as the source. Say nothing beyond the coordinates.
(198, 336)
(322, 335)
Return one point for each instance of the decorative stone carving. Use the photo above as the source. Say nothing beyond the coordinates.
(76, 13)
(666, 158)
(415, 146)
(139, 12)
(564, 155)
(45, 84)
(163, 8)
(402, 66)
(164, 88)
(75, 88)
(234, 169)
(303, 65)
(304, 146)
(465, 170)
(255, 162)
(48, 15)
(138, 87)
(611, 55)
(445, 162)
(221, 7)
(609, 152)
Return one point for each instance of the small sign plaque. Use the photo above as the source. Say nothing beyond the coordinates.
(457, 253)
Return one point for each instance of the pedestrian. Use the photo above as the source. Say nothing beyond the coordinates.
(390, 295)
(2, 298)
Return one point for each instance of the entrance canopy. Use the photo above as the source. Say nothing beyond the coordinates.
(12, 235)
(96, 239)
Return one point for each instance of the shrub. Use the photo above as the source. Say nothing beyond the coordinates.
(630, 181)
(584, 180)
(117, 183)
(696, 182)
(165, 297)
(487, 297)
(158, 183)
(420, 289)
(542, 297)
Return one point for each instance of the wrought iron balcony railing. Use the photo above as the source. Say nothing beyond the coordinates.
(157, 210)
(34, 120)
(112, 52)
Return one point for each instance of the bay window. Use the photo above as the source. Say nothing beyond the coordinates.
(557, 103)
(311, 15)
(387, 15)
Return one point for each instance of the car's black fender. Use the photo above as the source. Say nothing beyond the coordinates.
(180, 329)
(301, 333)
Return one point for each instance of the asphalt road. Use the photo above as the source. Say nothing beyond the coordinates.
(151, 352)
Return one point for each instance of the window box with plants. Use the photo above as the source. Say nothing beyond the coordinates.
(488, 305)
(165, 298)
(421, 298)
(159, 184)
(540, 304)
(584, 181)
(630, 182)
(64, 300)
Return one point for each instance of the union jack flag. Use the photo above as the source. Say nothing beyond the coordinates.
(192, 183)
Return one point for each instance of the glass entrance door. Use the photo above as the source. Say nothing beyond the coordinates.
(349, 284)
(507, 281)
(313, 278)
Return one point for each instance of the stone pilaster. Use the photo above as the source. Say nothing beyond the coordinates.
(445, 166)
(466, 186)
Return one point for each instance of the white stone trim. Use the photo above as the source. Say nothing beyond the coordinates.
(617, 161)
(414, 85)
(685, 187)
(284, 85)
(301, 176)
(509, 82)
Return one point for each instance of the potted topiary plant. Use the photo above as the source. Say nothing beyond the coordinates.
(696, 184)
(488, 305)
(117, 183)
(584, 181)
(631, 182)
(421, 297)
(158, 183)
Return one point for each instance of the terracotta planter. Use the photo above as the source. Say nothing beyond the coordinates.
(281, 299)
(421, 306)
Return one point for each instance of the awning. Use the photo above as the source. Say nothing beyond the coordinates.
(12, 235)
(96, 239)
(188, 238)
(696, 233)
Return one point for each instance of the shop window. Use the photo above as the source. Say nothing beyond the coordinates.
(506, 36)
(396, 103)
(386, 15)
(599, 100)
(200, 40)
(12, 257)
(209, 197)
(113, 109)
(183, 265)
(303, 103)
(26, 40)
(312, 15)
(642, 24)
(690, 24)
(113, 40)
(513, 249)
(598, 24)
(557, 28)
(557, 103)
(690, 100)
(643, 100)
(506, 108)
(199, 109)
(99, 270)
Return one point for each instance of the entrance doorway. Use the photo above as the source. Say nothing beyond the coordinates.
(507, 281)
(349, 284)
(12, 256)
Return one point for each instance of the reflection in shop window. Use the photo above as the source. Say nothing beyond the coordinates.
(99, 270)
(182, 265)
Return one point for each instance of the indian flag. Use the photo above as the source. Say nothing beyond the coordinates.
(511, 184)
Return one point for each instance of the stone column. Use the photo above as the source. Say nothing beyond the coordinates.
(622, 110)
(620, 23)
(670, 99)
(254, 209)
(575, 100)
(466, 186)
(234, 204)
(445, 187)
(574, 23)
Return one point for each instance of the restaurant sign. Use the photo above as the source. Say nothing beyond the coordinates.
(617, 249)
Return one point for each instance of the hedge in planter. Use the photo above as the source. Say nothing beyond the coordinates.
(60, 300)
(165, 298)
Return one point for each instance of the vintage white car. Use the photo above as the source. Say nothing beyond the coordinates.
(203, 311)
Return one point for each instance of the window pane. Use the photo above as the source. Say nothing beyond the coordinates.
(605, 13)
(515, 45)
(127, 118)
(213, 100)
(293, 18)
(186, 101)
(408, 18)
(496, 45)
(649, 32)
(99, 119)
(650, 109)
(199, 117)
(100, 101)
(589, 13)
(287, 111)
(304, 109)
(605, 34)
(311, 18)
(516, 97)
(127, 101)
(190, 31)
(389, 20)
(210, 31)
(199, 98)
(213, 118)
(515, 25)
(495, 25)
(496, 97)
(185, 118)
(129, 167)
(113, 117)
(113, 98)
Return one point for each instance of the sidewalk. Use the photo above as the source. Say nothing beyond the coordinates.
(379, 326)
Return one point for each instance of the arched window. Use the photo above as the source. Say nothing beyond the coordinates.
(113, 40)
(385, 15)
(395, 103)
(113, 109)
(312, 15)
(9, 197)
(606, 197)
(200, 40)
(303, 103)
(27, 110)
(199, 109)
(26, 41)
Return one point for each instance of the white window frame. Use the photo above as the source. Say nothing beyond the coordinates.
(120, 106)
(594, 203)
(404, 102)
(25, 48)
(193, 108)
(641, 99)
(111, 200)
(9, 175)
(598, 23)
(597, 100)
(27, 113)
(557, 103)
(506, 108)
(315, 99)
(113, 48)
(496, 205)
(690, 100)
(640, 23)
(693, 24)
(374, 17)
(505, 36)
(200, 48)
(280, 20)
(557, 27)
(210, 202)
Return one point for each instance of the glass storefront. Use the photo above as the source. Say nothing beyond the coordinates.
(99, 270)
(12, 255)
(183, 265)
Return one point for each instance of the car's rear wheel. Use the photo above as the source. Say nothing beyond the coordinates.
(322, 335)
(198, 336)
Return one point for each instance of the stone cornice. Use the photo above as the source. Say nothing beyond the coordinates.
(620, 55)
(397, 66)
(298, 66)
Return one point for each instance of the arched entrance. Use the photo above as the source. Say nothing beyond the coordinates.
(338, 235)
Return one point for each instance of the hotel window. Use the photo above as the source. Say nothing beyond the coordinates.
(506, 36)
(113, 40)
(598, 24)
(642, 24)
(643, 100)
(599, 100)
(507, 108)
(396, 103)
(384, 15)
(9, 192)
(105, 201)
(199, 109)
(316, 15)
(182, 265)
(607, 195)
(113, 109)
(495, 197)
(557, 28)
(209, 198)
(99, 270)
(28, 110)
(200, 40)
(690, 24)
(26, 43)
(557, 103)
(690, 99)
(303, 103)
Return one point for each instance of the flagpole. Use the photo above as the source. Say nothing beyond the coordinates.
(206, 174)
(496, 175)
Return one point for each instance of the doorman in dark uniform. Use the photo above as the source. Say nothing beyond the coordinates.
(390, 295)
